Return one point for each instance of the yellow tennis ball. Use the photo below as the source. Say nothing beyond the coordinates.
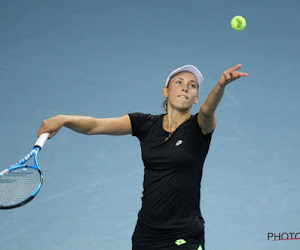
(238, 23)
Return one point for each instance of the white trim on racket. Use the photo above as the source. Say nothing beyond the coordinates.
(42, 140)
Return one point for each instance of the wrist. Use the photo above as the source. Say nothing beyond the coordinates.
(221, 85)
(64, 119)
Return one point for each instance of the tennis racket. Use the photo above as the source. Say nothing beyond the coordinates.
(20, 183)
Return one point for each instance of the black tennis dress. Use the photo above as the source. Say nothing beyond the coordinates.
(170, 216)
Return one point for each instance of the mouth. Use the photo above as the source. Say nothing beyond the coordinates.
(183, 96)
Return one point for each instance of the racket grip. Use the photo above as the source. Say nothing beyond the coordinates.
(42, 140)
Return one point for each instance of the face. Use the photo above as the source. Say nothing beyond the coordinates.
(182, 91)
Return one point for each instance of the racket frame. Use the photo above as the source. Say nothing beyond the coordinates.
(20, 164)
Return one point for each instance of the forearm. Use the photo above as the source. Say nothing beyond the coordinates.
(211, 103)
(80, 124)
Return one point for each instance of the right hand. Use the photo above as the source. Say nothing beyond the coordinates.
(231, 75)
(51, 125)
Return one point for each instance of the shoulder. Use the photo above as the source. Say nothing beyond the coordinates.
(207, 124)
(142, 123)
(143, 117)
(205, 127)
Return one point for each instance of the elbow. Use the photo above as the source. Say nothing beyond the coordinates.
(94, 126)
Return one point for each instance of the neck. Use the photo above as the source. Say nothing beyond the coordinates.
(172, 120)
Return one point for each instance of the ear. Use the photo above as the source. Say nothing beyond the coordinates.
(196, 100)
(165, 92)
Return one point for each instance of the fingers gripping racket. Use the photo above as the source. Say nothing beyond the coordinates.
(20, 183)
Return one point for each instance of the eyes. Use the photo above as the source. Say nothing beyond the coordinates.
(190, 85)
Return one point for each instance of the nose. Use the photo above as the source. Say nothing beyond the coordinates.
(184, 87)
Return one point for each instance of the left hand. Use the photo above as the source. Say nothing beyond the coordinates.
(230, 75)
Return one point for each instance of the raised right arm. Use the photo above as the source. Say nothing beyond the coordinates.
(87, 125)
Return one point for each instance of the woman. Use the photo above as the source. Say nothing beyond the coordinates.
(174, 147)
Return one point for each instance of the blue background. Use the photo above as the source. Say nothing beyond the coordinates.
(110, 58)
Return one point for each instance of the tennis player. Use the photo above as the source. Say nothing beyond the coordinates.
(174, 147)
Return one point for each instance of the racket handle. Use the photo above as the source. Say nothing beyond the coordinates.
(42, 140)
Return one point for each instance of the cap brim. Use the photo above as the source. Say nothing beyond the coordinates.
(188, 68)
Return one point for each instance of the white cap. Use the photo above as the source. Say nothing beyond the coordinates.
(189, 68)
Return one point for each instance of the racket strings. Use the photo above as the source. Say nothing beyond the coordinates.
(18, 185)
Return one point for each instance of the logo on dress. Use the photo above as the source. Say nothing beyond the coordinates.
(180, 242)
(178, 142)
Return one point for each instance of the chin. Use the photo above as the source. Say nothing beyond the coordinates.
(182, 107)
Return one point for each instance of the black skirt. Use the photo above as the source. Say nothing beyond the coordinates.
(146, 237)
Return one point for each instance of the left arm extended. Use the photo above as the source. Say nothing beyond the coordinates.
(207, 119)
